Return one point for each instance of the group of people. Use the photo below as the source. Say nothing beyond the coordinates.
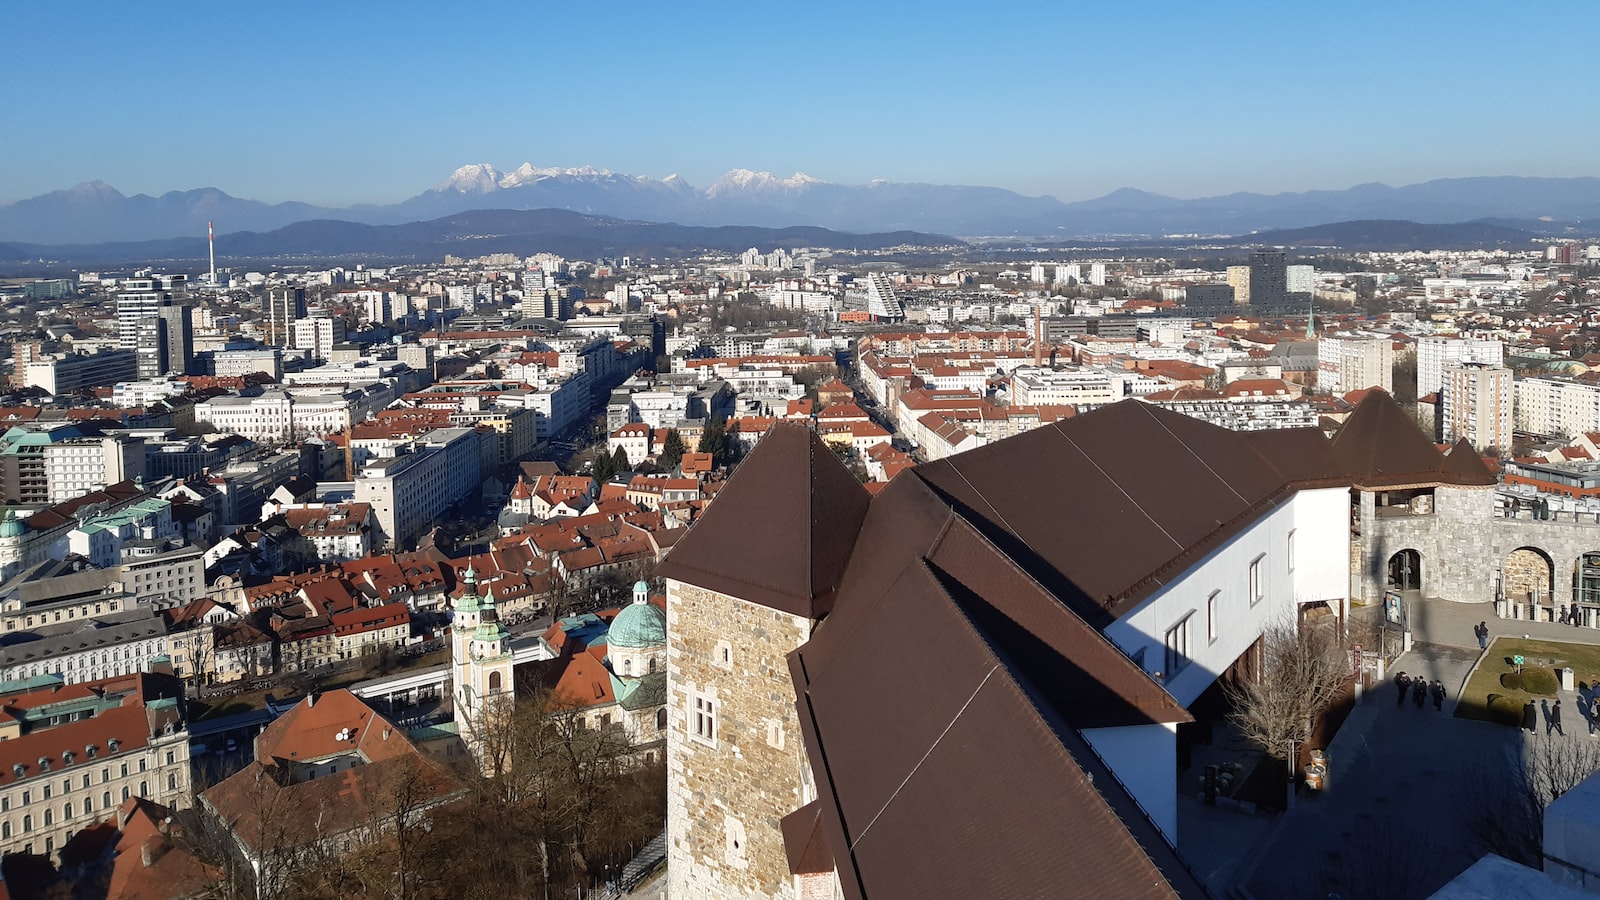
(1482, 631)
(1420, 689)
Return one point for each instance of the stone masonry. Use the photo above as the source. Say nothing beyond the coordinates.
(725, 797)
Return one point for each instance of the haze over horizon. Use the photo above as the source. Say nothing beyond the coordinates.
(336, 106)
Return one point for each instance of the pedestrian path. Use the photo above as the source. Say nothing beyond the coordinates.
(1449, 623)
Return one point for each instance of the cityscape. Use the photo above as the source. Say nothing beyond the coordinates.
(958, 522)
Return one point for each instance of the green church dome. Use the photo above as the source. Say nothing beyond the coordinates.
(637, 626)
(11, 526)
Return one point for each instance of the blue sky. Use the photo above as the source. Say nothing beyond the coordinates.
(340, 103)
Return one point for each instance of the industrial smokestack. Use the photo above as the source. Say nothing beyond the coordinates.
(211, 245)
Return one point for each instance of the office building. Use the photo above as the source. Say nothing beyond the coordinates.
(78, 465)
(141, 298)
(317, 335)
(285, 306)
(79, 371)
(1269, 278)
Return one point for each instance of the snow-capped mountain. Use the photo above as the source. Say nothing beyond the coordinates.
(96, 212)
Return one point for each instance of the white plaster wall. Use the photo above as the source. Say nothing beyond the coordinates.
(1145, 759)
(1319, 520)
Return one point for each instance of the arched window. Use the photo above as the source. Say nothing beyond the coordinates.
(105, 800)
(66, 811)
(652, 665)
(5, 830)
(49, 817)
(627, 667)
(494, 681)
(144, 789)
(661, 719)
(124, 793)
(27, 824)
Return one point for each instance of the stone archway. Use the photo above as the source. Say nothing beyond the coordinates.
(1528, 574)
(1405, 571)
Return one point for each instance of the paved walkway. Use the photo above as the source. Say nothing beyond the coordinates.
(1389, 822)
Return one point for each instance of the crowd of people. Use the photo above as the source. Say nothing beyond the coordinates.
(1420, 689)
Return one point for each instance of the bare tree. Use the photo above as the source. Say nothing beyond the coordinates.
(1501, 808)
(1303, 671)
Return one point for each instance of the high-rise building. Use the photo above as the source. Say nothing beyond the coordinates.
(1269, 278)
(284, 307)
(165, 342)
(883, 304)
(1478, 406)
(1063, 277)
(1239, 280)
(1435, 354)
(1097, 274)
(318, 334)
(1300, 279)
(141, 298)
(1350, 362)
(1036, 273)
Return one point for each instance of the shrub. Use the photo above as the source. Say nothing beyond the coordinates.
(1511, 681)
(1539, 681)
(1505, 710)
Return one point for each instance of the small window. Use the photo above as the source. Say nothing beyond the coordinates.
(722, 656)
(661, 719)
(1211, 616)
(1256, 590)
(1177, 647)
(1289, 548)
(705, 718)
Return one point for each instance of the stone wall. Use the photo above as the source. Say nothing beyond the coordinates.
(1465, 547)
(725, 799)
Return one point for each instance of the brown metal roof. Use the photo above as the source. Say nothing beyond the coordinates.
(804, 842)
(781, 531)
(1463, 465)
(983, 777)
(1117, 501)
(1303, 455)
(1381, 446)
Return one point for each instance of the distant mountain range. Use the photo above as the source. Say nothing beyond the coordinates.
(474, 233)
(95, 212)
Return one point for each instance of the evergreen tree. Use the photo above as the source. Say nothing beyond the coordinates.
(602, 468)
(714, 440)
(672, 450)
(619, 461)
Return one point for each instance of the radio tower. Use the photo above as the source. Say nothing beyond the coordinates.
(211, 244)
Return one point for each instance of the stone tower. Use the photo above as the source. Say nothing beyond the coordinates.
(480, 663)
(747, 586)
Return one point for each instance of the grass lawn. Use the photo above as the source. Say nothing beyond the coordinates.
(1547, 655)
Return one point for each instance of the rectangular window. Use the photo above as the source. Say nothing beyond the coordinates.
(1211, 616)
(1290, 550)
(1256, 590)
(705, 718)
(1177, 647)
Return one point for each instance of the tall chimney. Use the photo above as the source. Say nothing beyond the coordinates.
(211, 245)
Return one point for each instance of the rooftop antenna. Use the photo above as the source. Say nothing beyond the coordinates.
(211, 244)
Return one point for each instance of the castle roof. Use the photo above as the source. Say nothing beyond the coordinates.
(1381, 446)
(783, 538)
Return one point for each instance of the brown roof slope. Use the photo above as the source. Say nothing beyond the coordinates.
(1117, 501)
(1463, 465)
(1303, 455)
(1381, 446)
(782, 529)
(982, 781)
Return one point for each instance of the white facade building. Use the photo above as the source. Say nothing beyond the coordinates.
(1435, 354)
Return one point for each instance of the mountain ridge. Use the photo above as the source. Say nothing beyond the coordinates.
(95, 212)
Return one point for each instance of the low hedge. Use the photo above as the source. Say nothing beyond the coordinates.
(1539, 681)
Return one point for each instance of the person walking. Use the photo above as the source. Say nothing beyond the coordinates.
(1404, 684)
(1419, 690)
(1589, 708)
(1482, 631)
(1555, 719)
(1437, 690)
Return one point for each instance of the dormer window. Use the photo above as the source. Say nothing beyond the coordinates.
(44, 763)
(88, 750)
(19, 770)
(113, 744)
(66, 757)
